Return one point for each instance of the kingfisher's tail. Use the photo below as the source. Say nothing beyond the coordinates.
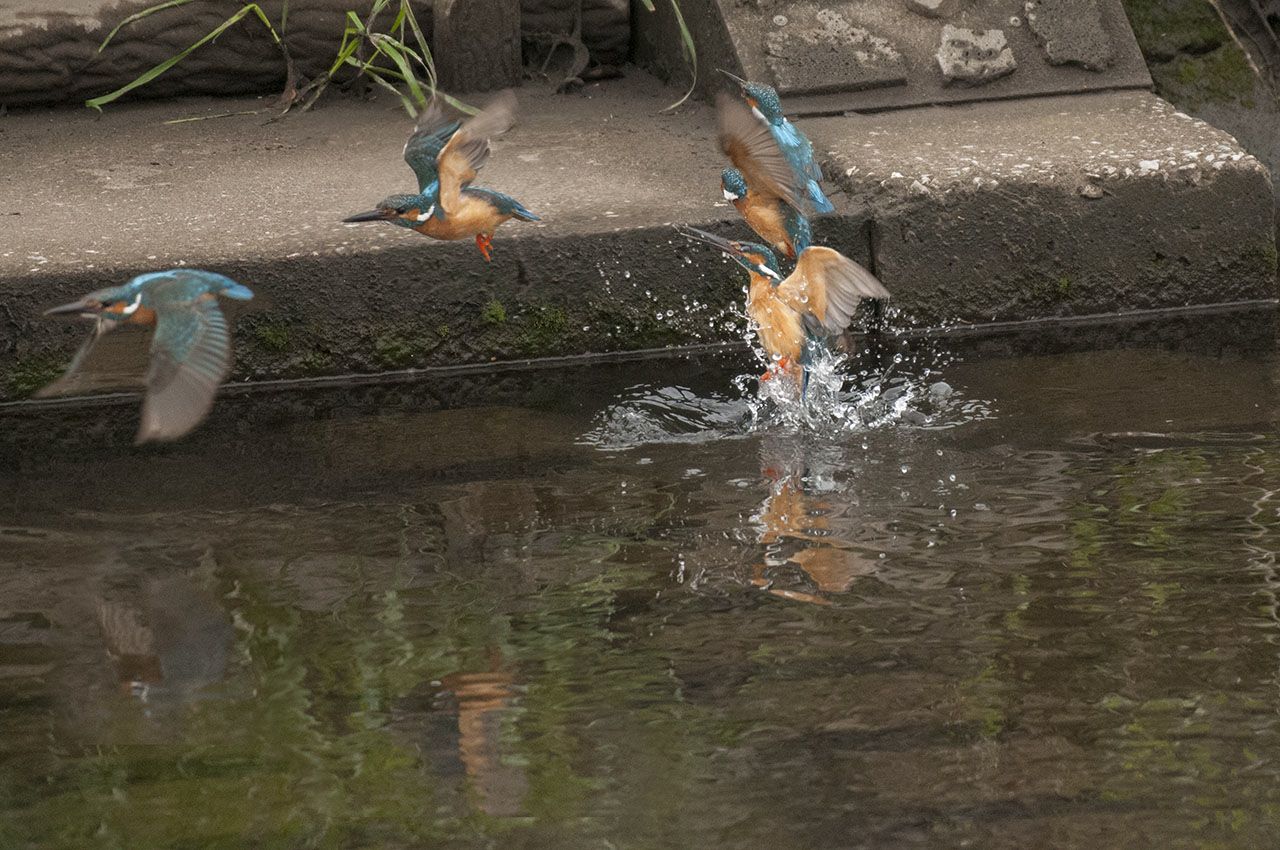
(819, 200)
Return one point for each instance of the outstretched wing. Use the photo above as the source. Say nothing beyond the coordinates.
(826, 287)
(468, 148)
(190, 358)
(750, 146)
(429, 138)
(106, 360)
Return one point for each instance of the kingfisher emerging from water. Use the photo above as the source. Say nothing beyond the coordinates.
(775, 158)
(446, 153)
(190, 348)
(796, 315)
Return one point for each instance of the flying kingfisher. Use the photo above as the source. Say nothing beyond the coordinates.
(190, 349)
(446, 153)
(795, 315)
(772, 154)
(777, 222)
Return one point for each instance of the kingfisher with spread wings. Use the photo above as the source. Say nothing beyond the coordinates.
(446, 153)
(795, 316)
(190, 353)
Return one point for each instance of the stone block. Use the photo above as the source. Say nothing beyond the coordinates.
(1071, 33)
(973, 58)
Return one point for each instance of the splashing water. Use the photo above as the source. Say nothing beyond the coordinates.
(840, 398)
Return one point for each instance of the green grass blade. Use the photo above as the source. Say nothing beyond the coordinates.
(266, 22)
(690, 53)
(169, 4)
(392, 49)
(148, 76)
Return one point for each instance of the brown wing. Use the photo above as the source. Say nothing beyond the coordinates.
(826, 287)
(190, 358)
(750, 146)
(107, 360)
(468, 149)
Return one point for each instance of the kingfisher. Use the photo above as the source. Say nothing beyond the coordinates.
(776, 221)
(445, 154)
(190, 348)
(774, 156)
(795, 315)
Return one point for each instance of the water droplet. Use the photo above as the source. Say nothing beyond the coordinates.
(951, 477)
(904, 469)
(627, 275)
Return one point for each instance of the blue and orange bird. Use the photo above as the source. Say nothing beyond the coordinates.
(777, 222)
(190, 352)
(775, 158)
(446, 154)
(796, 315)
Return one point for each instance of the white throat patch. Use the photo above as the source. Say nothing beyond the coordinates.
(730, 196)
(133, 307)
(423, 216)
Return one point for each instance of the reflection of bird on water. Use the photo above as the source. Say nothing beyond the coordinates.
(802, 506)
(173, 645)
(484, 699)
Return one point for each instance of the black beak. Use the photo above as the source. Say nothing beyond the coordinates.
(371, 215)
(741, 82)
(725, 245)
(83, 307)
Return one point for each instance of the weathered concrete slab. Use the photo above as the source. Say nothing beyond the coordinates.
(1054, 207)
(833, 57)
(976, 213)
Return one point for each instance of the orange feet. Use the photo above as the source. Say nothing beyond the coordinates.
(485, 244)
(775, 369)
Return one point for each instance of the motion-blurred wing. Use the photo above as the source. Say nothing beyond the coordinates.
(467, 150)
(750, 146)
(190, 358)
(106, 360)
(826, 287)
(428, 140)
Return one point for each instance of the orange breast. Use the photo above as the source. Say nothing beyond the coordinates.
(781, 329)
(766, 219)
(472, 217)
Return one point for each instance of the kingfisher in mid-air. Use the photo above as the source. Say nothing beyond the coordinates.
(190, 348)
(774, 156)
(780, 224)
(446, 153)
(796, 315)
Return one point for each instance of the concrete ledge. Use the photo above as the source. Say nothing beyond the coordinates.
(1055, 206)
(97, 201)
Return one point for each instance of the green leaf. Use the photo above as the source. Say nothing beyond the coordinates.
(690, 53)
(169, 4)
(148, 76)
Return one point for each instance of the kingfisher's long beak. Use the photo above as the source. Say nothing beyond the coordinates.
(726, 245)
(371, 215)
(741, 82)
(83, 307)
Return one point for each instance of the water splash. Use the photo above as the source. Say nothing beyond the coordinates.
(902, 390)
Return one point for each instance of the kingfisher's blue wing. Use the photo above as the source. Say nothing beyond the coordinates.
(798, 151)
(190, 358)
(429, 138)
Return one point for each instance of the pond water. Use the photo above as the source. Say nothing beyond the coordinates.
(1040, 609)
